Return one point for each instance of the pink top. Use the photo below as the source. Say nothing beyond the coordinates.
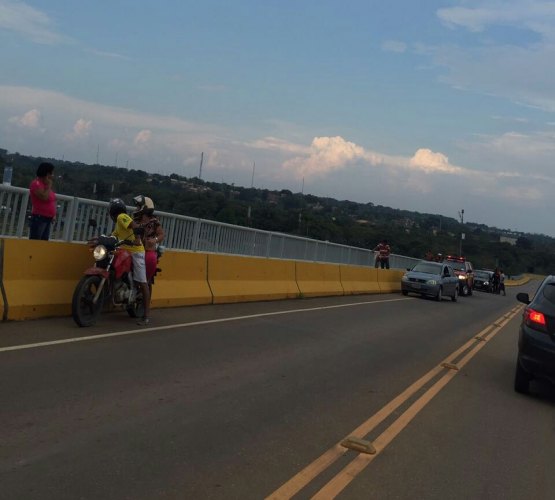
(41, 207)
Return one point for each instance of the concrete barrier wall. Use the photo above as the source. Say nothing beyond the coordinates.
(359, 279)
(39, 277)
(318, 280)
(389, 280)
(243, 279)
(182, 281)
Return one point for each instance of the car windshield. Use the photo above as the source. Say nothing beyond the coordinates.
(482, 274)
(427, 267)
(459, 266)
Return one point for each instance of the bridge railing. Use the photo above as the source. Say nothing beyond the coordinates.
(182, 233)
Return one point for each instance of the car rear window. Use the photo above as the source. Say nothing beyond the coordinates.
(549, 292)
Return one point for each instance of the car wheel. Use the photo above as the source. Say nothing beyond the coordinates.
(522, 379)
(455, 294)
(439, 295)
(404, 292)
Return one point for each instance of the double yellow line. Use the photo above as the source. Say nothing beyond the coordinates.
(449, 368)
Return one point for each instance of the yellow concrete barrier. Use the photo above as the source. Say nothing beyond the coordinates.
(39, 276)
(359, 279)
(318, 279)
(390, 280)
(183, 280)
(244, 279)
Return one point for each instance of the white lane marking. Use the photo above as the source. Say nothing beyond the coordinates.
(185, 325)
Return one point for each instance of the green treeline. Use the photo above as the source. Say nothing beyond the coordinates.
(339, 221)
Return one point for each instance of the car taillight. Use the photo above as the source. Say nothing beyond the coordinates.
(535, 319)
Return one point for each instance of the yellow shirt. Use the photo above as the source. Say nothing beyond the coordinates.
(124, 231)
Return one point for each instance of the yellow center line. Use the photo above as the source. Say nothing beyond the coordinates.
(341, 480)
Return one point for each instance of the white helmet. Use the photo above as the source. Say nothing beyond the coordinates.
(144, 205)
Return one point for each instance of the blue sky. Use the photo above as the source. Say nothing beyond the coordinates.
(432, 106)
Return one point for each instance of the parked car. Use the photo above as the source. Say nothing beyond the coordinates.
(536, 339)
(464, 271)
(433, 279)
(483, 280)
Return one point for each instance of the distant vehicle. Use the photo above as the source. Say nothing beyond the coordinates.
(483, 280)
(536, 339)
(433, 279)
(464, 271)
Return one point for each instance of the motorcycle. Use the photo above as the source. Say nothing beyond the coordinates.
(110, 280)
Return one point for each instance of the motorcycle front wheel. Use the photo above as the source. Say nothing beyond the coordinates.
(84, 312)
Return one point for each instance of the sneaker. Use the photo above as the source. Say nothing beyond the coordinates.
(143, 321)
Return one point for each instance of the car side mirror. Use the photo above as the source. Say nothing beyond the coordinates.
(523, 297)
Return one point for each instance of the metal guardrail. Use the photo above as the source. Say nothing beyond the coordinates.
(182, 232)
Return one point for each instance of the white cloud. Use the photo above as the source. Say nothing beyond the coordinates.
(518, 71)
(81, 129)
(143, 137)
(429, 162)
(327, 154)
(18, 17)
(394, 46)
(31, 119)
(535, 15)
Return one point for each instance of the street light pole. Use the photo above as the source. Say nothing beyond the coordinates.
(461, 215)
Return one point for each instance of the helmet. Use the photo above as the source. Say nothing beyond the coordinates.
(144, 205)
(116, 207)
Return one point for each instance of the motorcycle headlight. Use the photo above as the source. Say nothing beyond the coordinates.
(100, 252)
(461, 277)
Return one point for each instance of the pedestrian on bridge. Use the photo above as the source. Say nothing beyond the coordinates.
(43, 201)
(382, 259)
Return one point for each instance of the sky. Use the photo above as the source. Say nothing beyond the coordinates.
(430, 106)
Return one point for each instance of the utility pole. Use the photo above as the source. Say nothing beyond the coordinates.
(461, 216)
(252, 179)
(200, 168)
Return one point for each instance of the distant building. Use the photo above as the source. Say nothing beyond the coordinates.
(507, 239)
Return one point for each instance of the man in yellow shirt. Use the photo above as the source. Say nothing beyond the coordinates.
(124, 230)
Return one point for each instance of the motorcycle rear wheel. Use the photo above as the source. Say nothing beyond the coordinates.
(84, 312)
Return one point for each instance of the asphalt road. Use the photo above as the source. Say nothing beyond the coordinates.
(250, 401)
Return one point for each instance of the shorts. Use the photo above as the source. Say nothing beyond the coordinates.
(139, 267)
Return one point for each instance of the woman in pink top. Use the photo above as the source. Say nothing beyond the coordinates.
(43, 200)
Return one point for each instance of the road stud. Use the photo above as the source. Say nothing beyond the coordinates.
(450, 366)
(357, 444)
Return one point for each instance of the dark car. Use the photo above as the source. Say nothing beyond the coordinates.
(464, 271)
(536, 340)
(483, 280)
(432, 279)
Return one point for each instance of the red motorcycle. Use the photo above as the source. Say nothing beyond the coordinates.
(110, 280)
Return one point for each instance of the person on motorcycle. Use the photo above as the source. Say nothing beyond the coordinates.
(152, 237)
(128, 230)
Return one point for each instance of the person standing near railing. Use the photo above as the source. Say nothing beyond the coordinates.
(153, 235)
(382, 258)
(43, 201)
